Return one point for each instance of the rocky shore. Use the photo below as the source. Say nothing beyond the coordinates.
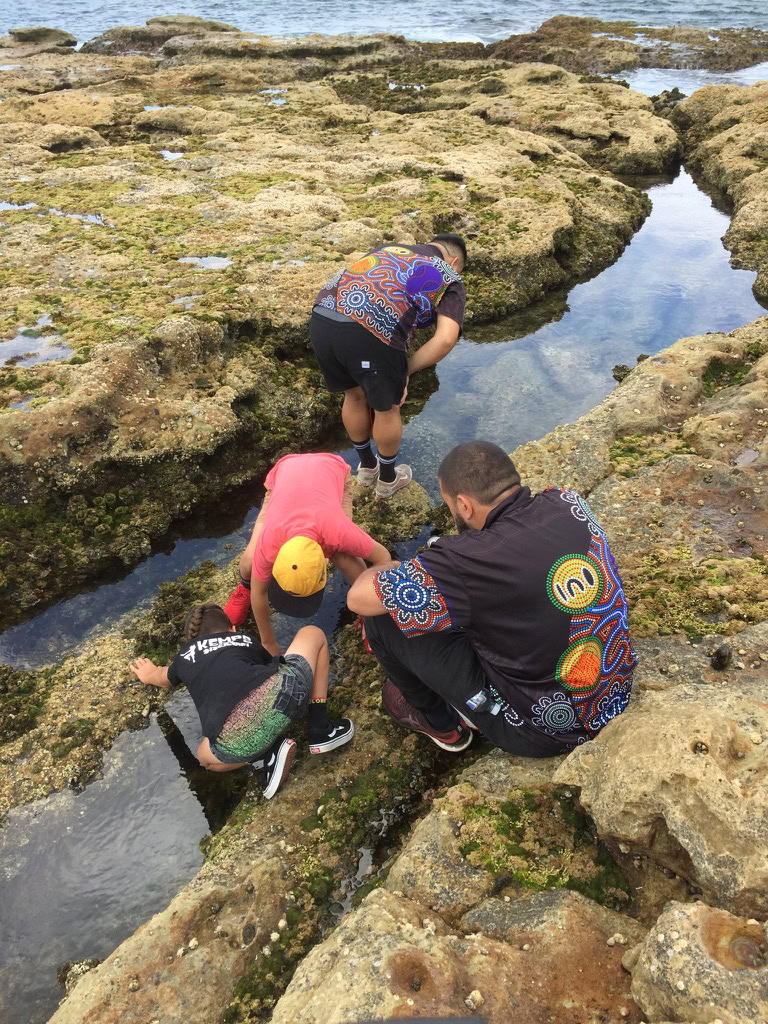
(626, 881)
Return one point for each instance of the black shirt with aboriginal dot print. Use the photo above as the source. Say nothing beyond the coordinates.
(539, 594)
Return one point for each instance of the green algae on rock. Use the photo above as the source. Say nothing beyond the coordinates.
(163, 407)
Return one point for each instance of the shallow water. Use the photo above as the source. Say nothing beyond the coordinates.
(429, 20)
(652, 81)
(80, 873)
(673, 280)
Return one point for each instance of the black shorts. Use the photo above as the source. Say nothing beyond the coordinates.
(351, 356)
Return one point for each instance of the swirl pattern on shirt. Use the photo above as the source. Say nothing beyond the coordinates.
(412, 597)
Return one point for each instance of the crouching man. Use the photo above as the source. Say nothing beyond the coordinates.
(516, 628)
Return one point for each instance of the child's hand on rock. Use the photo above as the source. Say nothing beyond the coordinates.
(145, 669)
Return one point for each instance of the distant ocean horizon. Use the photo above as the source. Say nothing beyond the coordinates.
(431, 20)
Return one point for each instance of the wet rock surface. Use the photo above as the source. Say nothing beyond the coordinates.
(701, 964)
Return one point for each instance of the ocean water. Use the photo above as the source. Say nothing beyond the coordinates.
(429, 20)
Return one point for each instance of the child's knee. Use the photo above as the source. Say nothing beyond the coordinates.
(312, 634)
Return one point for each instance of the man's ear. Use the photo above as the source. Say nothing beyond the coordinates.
(465, 507)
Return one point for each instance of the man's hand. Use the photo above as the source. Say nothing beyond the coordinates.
(438, 346)
(149, 673)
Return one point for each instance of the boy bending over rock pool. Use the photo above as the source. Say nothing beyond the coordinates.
(246, 698)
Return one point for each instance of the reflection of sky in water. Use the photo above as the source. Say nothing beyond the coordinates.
(80, 873)
(674, 280)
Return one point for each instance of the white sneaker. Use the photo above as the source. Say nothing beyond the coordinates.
(367, 476)
(403, 476)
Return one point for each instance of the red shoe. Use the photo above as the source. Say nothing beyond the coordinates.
(409, 717)
(238, 606)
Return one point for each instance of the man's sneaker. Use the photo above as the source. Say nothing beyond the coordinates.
(465, 720)
(335, 735)
(403, 476)
(238, 606)
(409, 717)
(277, 765)
(367, 476)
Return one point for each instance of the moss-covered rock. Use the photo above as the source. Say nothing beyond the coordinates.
(22, 699)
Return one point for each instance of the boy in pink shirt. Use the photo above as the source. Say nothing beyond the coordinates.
(305, 519)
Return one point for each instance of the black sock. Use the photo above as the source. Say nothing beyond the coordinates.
(387, 470)
(443, 718)
(365, 454)
(317, 715)
(245, 583)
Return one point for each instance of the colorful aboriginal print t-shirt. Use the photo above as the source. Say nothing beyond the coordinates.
(538, 593)
(394, 290)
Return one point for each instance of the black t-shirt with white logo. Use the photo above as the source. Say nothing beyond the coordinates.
(219, 670)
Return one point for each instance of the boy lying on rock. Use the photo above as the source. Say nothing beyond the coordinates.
(516, 628)
(246, 698)
(305, 519)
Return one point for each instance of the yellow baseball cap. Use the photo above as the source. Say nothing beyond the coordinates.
(298, 577)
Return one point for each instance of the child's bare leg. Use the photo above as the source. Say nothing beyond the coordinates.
(310, 643)
(208, 759)
(349, 565)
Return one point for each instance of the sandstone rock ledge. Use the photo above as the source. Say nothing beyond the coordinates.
(166, 300)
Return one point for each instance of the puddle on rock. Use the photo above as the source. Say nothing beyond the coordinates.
(746, 458)
(277, 100)
(88, 218)
(187, 301)
(207, 262)
(79, 873)
(169, 154)
(30, 345)
(17, 206)
(153, 106)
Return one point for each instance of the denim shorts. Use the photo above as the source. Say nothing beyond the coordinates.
(266, 713)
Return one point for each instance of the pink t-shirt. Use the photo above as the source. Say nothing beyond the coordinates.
(305, 501)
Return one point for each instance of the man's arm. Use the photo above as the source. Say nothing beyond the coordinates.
(151, 674)
(260, 606)
(438, 346)
(362, 597)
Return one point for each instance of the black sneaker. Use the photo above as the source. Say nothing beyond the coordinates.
(335, 735)
(277, 765)
(409, 717)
